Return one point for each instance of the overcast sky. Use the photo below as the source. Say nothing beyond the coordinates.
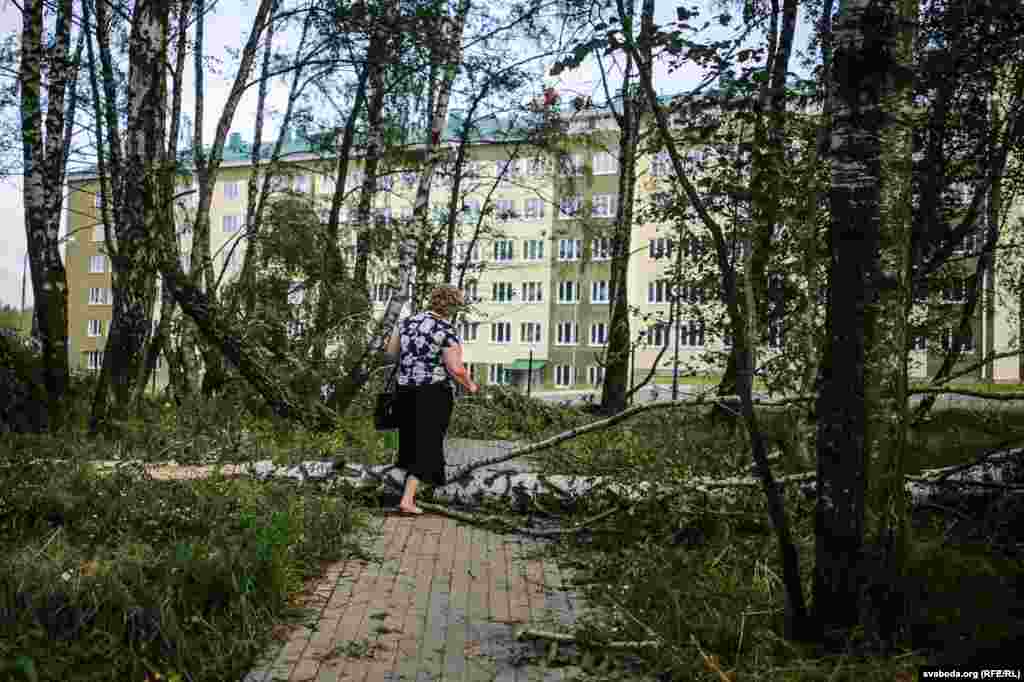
(227, 28)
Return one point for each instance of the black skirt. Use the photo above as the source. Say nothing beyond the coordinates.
(424, 413)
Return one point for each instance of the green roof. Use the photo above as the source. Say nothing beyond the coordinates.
(525, 364)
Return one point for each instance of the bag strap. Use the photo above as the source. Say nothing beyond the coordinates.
(392, 385)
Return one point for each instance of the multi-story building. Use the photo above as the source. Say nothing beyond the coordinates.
(538, 276)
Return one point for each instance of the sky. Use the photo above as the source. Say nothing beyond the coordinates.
(226, 29)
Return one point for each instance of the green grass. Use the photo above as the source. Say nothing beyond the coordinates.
(119, 576)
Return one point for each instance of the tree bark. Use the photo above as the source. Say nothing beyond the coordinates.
(616, 374)
(44, 159)
(865, 34)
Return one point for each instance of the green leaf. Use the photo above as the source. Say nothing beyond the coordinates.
(26, 666)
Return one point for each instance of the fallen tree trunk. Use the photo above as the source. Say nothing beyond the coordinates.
(1000, 472)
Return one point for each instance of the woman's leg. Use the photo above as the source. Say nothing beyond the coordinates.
(408, 502)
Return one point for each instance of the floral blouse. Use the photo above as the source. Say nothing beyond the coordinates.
(423, 339)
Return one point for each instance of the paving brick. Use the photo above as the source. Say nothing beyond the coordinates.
(447, 596)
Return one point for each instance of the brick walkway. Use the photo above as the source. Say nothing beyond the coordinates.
(440, 604)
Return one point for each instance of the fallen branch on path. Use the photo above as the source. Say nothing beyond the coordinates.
(522, 633)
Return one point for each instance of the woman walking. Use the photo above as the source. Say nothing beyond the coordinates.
(430, 358)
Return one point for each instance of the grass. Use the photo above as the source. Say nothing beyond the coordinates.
(120, 576)
(689, 571)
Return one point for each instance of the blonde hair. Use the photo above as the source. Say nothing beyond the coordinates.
(445, 300)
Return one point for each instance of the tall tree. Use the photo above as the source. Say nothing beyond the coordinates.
(865, 59)
(44, 158)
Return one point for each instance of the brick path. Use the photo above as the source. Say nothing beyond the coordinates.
(440, 604)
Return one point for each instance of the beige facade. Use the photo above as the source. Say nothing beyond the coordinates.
(538, 278)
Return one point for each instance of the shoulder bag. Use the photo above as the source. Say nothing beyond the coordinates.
(385, 414)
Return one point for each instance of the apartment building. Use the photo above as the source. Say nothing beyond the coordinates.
(538, 276)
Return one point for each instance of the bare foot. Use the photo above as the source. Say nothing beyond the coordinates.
(409, 509)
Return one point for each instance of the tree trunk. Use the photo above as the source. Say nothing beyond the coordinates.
(134, 263)
(864, 57)
(159, 341)
(334, 261)
(616, 374)
(377, 58)
(44, 159)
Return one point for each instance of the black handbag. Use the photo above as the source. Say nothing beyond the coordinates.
(385, 414)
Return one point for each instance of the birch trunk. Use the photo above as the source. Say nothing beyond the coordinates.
(865, 54)
(44, 159)
(377, 58)
(615, 391)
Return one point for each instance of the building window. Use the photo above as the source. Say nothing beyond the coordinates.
(947, 340)
(407, 179)
(595, 373)
(381, 216)
(97, 264)
(533, 249)
(231, 223)
(533, 292)
(569, 207)
(232, 190)
(693, 248)
(297, 295)
(470, 210)
(570, 164)
(463, 247)
(501, 332)
(603, 206)
(955, 291)
(657, 335)
(601, 249)
(497, 374)
(661, 248)
(691, 333)
(563, 375)
(97, 200)
(537, 166)
(568, 291)
(919, 342)
(658, 291)
(504, 209)
(99, 296)
(503, 250)
(468, 331)
(300, 183)
(94, 360)
(599, 291)
(605, 163)
(380, 292)
(502, 292)
(567, 333)
(385, 182)
(570, 249)
(470, 292)
(691, 293)
(599, 334)
(661, 165)
(776, 334)
(94, 328)
(98, 233)
(534, 209)
(186, 261)
(529, 332)
(506, 168)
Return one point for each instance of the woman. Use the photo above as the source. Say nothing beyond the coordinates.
(430, 357)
